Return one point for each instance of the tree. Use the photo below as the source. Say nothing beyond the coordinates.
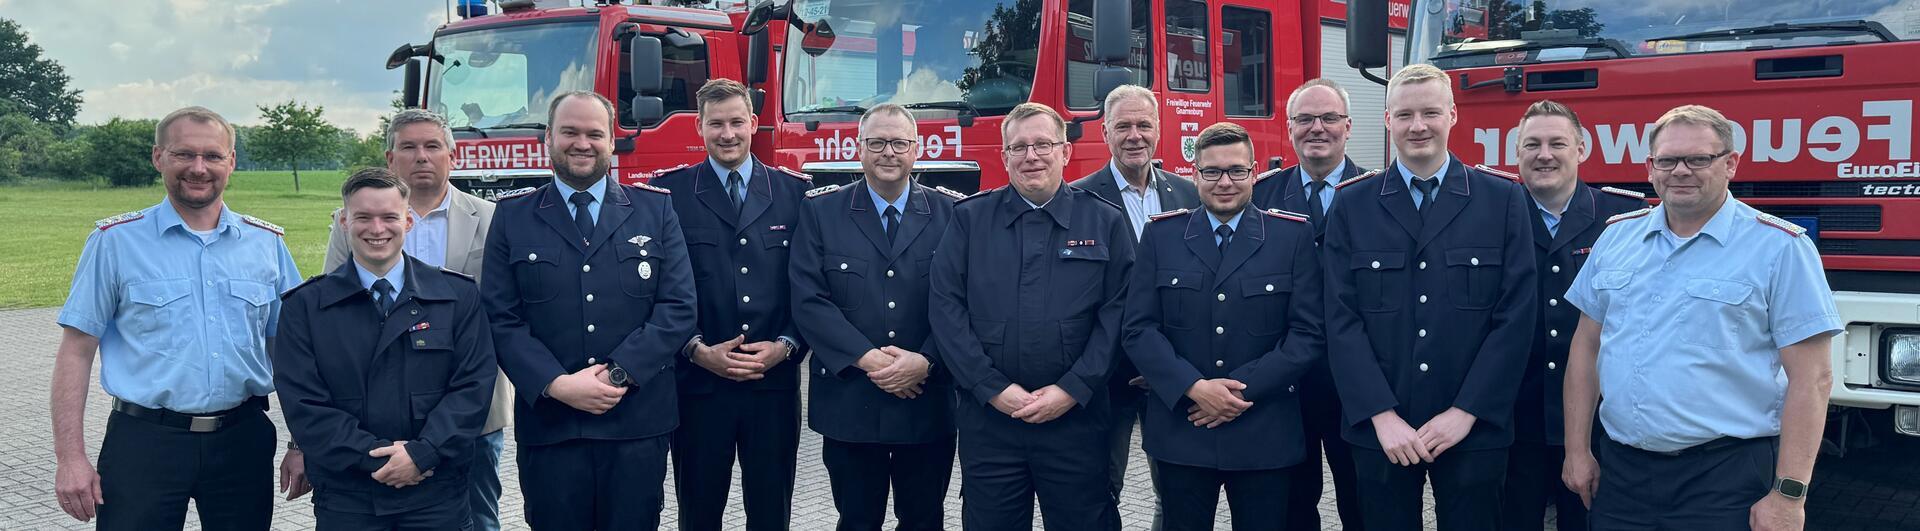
(122, 151)
(31, 84)
(357, 152)
(295, 134)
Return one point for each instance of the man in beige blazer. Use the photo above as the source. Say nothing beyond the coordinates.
(451, 234)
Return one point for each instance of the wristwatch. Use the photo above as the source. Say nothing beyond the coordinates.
(1792, 489)
(617, 375)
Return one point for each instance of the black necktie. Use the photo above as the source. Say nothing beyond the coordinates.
(1225, 233)
(582, 219)
(1426, 187)
(1314, 208)
(893, 222)
(734, 184)
(383, 296)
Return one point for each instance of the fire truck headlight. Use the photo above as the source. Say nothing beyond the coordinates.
(1906, 420)
(1903, 356)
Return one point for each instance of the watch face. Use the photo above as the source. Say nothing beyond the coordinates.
(617, 376)
(1792, 488)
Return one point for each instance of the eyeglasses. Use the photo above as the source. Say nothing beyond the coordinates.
(187, 157)
(900, 146)
(1698, 162)
(1038, 148)
(1235, 173)
(1304, 120)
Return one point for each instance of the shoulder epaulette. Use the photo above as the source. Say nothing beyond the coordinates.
(1623, 216)
(956, 195)
(1282, 214)
(1624, 193)
(257, 222)
(119, 219)
(652, 188)
(1357, 178)
(1775, 222)
(1515, 177)
(660, 172)
(457, 274)
(824, 190)
(510, 194)
(977, 195)
(1269, 173)
(288, 294)
(795, 174)
(1168, 214)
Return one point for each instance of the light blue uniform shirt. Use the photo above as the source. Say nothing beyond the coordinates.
(1439, 179)
(1551, 219)
(598, 191)
(1215, 223)
(880, 204)
(396, 276)
(1326, 192)
(746, 176)
(1690, 336)
(183, 323)
(427, 241)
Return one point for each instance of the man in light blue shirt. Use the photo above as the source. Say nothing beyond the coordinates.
(1707, 326)
(179, 300)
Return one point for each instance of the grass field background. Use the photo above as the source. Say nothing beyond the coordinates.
(44, 224)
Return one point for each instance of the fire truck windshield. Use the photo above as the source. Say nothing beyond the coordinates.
(959, 55)
(503, 78)
(1467, 33)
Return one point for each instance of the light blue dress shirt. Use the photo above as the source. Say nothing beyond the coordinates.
(183, 323)
(598, 191)
(746, 176)
(427, 241)
(396, 276)
(1551, 219)
(1214, 223)
(1326, 192)
(880, 205)
(1439, 179)
(1690, 334)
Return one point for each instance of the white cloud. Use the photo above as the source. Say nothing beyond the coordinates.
(237, 99)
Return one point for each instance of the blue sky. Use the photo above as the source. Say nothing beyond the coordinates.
(143, 58)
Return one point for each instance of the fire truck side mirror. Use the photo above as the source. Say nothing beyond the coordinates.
(647, 65)
(1112, 31)
(1367, 33)
(759, 45)
(410, 84)
(647, 109)
(1108, 78)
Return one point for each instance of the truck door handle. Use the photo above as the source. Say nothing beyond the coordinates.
(1798, 67)
(1563, 80)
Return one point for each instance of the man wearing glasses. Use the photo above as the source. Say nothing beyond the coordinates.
(1430, 312)
(1223, 318)
(1319, 129)
(882, 405)
(1702, 296)
(1028, 286)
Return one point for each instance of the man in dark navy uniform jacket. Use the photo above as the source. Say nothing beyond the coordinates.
(1319, 126)
(1223, 319)
(386, 369)
(1028, 288)
(1567, 217)
(739, 376)
(591, 296)
(1431, 305)
(881, 404)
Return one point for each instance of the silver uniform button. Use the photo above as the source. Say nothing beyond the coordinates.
(1219, 330)
(1553, 333)
(1423, 299)
(890, 334)
(643, 252)
(743, 327)
(1221, 297)
(843, 266)
(1375, 264)
(1473, 261)
(589, 297)
(746, 298)
(743, 271)
(589, 329)
(1556, 269)
(1423, 367)
(743, 241)
(1553, 302)
(1423, 332)
(1269, 287)
(1219, 363)
(1176, 282)
(1423, 264)
(586, 268)
(890, 305)
(533, 256)
(889, 273)
(1552, 366)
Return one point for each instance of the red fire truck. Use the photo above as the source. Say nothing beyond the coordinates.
(960, 65)
(1822, 94)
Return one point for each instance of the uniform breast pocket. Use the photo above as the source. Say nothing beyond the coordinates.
(1723, 305)
(1081, 270)
(1380, 280)
(639, 271)
(157, 304)
(709, 246)
(776, 238)
(534, 269)
(844, 275)
(1179, 293)
(1266, 299)
(1475, 274)
(430, 358)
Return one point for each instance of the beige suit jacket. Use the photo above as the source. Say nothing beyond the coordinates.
(468, 218)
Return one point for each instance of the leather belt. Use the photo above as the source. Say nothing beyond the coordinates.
(200, 423)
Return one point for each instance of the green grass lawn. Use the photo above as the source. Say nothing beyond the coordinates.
(46, 223)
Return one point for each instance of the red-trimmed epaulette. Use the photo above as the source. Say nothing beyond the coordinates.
(955, 194)
(1775, 222)
(118, 219)
(824, 190)
(510, 194)
(795, 174)
(657, 173)
(1623, 216)
(1357, 178)
(1282, 214)
(652, 188)
(1630, 194)
(1168, 214)
(261, 223)
(1269, 173)
(1489, 170)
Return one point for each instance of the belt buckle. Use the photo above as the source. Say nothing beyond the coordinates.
(204, 424)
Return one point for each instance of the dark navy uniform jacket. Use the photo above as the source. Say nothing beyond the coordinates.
(1031, 296)
(560, 304)
(1174, 192)
(1428, 314)
(352, 381)
(740, 266)
(1538, 416)
(1250, 312)
(1283, 190)
(854, 291)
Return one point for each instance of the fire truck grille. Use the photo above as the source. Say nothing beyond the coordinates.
(1859, 218)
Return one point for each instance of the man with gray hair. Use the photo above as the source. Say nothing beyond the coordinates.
(450, 231)
(1132, 133)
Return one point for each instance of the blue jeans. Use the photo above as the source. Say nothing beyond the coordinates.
(485, 496)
